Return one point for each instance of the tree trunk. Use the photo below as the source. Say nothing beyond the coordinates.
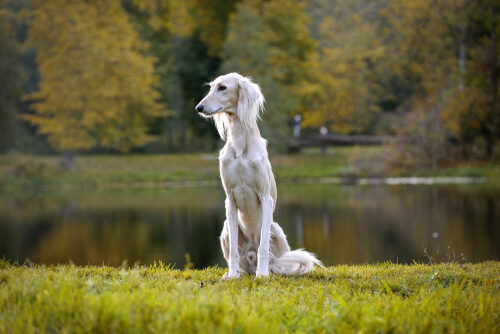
(462, 55)
(493, 42)
(495, 124)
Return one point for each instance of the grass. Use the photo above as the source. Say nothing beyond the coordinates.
(456, 298)
(21, 172)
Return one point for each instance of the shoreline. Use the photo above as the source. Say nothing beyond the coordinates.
(27, 173)
(375, 181)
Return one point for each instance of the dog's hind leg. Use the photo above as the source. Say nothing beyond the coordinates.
(248, 256)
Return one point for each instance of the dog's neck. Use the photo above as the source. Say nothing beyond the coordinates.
(240, 136)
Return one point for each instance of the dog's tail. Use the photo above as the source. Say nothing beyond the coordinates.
(294, 263)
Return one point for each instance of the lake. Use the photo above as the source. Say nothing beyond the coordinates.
(342, 224)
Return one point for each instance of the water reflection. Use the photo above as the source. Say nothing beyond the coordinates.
(342, 224)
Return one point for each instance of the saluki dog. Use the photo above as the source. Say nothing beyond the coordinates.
(251, 241)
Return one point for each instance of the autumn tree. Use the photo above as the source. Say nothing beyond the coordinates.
(270, 41)
(199, 42)
(423, 69)
(186, 38)
(97, 87)
(444, 53)
(472, 111)
(350, 64)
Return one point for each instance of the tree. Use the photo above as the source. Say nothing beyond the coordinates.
(350, 62)
(97, 87)
(270, 41)
(12, 77)
(186, 37)
(444, 51)
(472, 112)
(444, 54)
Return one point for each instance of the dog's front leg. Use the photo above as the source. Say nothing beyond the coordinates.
(234, 255)
(263, 252)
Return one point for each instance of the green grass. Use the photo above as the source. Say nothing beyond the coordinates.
(21, 172)
(456, 298)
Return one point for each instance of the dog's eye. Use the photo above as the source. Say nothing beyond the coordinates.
(221, 88)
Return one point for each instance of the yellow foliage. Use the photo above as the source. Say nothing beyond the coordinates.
(180, 21)
(348, 95)
(185, 18)
(96, 86)
(421, 46)
(466, 111)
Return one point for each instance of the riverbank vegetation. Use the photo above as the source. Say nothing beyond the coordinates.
(20, 171)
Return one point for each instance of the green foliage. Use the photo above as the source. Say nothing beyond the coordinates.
(186, 38)
(472, 112)
(270, 41)
(351, 60)
(419, 42)
(97, 87)
(357, 66)
(364, 298)
(453, 86)
(12, 76)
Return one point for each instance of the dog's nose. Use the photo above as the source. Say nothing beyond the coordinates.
(199, 108)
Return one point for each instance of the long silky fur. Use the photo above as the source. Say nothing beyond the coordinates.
(250, 102)
(221, 121)
(235, 118)
(294, 263)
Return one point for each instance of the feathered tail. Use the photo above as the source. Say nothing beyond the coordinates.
(294, 263)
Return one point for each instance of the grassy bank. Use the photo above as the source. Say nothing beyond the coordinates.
(459, 298)
(99, 171)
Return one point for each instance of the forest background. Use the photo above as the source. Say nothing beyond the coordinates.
(124, 76)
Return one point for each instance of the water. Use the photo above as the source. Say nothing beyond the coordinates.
(342, 224)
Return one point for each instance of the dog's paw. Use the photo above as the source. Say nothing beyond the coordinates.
(228, 276)
(262, 270)
(262, 274)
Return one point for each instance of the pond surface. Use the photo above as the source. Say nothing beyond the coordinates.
(342, 224)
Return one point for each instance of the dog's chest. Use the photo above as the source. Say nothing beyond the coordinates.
(242, 169)
(243, 181)
(239, 171)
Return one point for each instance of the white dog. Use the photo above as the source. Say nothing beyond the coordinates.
(250, 240)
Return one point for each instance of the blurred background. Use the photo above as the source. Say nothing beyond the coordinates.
(383, 121)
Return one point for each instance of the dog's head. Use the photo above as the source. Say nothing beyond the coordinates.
(232, 95)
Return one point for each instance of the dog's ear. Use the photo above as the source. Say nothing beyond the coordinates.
(250, 102)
